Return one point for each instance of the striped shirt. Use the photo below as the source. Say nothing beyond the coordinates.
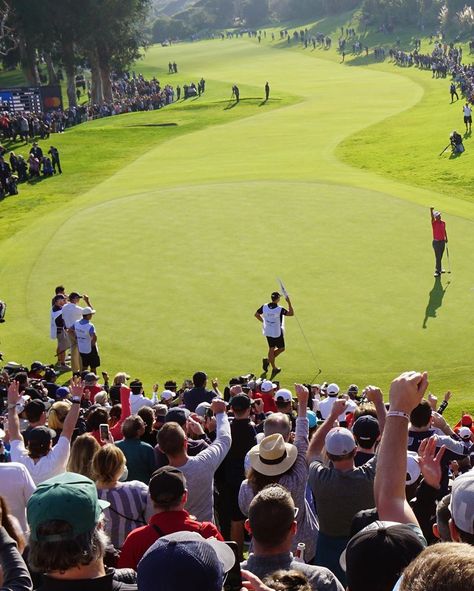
(129, 509)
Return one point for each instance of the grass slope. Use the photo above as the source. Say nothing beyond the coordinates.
(184, 237)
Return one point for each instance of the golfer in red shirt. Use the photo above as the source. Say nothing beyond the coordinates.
(440, 239)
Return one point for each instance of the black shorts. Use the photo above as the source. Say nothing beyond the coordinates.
(278, 342)
(91, 359)
(468, 119)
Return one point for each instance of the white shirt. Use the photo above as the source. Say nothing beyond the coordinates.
(467, 111)
(84, 331)
(16, 487)
(53, 464)
(72, 313)
(137, 401)
(325, 407)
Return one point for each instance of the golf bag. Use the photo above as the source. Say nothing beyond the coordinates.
(3, 310)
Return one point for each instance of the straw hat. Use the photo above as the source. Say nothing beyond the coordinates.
(272, 456)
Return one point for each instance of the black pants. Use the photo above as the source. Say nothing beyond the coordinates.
(438, 247)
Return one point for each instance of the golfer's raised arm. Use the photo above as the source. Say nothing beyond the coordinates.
(431, 212)
(290, 311)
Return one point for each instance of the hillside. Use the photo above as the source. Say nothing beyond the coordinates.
(171, 7)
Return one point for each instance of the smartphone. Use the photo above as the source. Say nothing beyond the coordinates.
(104, 432)
(233, 581)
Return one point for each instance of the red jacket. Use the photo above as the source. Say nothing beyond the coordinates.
(139, 540)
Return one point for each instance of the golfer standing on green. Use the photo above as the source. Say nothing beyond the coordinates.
(272, 315)
(440, 238)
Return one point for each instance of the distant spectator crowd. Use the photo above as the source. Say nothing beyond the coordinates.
(16, 168)
(445, 60)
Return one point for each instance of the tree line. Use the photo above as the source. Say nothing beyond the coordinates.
(104, 35)
(208, 15)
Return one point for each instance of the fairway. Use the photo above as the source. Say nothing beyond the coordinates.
(181, 243)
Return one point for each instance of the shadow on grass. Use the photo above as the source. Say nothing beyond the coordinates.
(153, 125)
(435, 300)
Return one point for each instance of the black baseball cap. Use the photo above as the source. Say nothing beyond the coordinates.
(166, 485)
(389, 547)
(34, 409)
(42, 435)
(366, 428)
(240, 402)
(275, 295)
(177, 415)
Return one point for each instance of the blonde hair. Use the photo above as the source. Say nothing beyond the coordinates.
(108, 462)
(82, 452)
(120, 378)
(57, 414)
(101, 398)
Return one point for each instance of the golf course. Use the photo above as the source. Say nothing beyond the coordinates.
(178, 223)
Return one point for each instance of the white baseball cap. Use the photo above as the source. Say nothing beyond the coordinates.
(167, 395)
(465, 433)
(332, 389)
(87, 310)
(284, 394)
(340, 441)
(462, 502)
(413, 468)
(267, 386)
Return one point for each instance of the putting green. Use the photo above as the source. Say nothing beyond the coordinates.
(180, 247)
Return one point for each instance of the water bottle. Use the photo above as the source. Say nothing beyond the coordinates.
(299, 556)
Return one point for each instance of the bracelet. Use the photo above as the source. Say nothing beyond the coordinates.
(11, 406)
(398, 413)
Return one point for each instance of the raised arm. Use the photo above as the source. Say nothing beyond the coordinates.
(431, 214)
(77, 392)
(13, 420)
(374, 395)
(290, 311)
(116, 430)
(406, 392)
(317, 442)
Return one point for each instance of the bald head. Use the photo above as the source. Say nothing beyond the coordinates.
(277, 423)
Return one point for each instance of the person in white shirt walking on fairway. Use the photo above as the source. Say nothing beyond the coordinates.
(272, 315)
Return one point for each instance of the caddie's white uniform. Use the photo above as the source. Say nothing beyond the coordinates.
(273, 321)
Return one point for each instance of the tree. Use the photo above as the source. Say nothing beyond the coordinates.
(255, 12)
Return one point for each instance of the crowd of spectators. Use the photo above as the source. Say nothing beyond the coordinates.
(130, 93)
(106, 486)
(445, 60)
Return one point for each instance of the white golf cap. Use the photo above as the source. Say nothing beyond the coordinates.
(87, 310)
(332, 389)
(465, 433)
(340, 441)
(267, 386)
(413, 468)
(436, 213)
(167, 395)
(283, 394)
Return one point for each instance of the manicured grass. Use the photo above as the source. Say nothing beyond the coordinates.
(178, 233)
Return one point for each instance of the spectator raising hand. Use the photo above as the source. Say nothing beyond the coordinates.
(406, 392)
(429, 458)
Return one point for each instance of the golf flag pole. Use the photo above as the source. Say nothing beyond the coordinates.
(285, 293)
(282, 287)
